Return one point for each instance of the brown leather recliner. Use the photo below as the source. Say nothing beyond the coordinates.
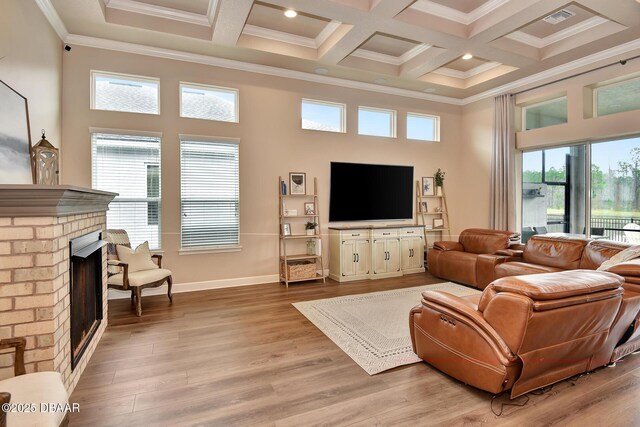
(526, 332)
(544, 254)
(472, 259)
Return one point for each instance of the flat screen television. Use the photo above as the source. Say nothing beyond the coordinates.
(362, 192)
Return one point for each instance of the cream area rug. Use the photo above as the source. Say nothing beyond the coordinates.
(373, 328)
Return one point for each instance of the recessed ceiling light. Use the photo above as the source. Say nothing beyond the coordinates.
(380, 81)
(290, 13)
(467, 56)
(429, 90)
(321, 70)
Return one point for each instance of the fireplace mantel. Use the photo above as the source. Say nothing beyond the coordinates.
(28, 200)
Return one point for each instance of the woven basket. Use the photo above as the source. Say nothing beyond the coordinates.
(300, 270)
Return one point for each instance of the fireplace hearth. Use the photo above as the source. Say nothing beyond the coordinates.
(85, 291)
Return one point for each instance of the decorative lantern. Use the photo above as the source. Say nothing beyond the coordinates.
(45, 162)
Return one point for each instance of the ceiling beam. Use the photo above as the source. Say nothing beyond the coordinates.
(232, 15)
(625, 13)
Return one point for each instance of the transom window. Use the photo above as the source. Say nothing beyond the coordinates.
(617, 97)
(423, 127)
(376, 122)
(323, 116)
(543, 114)
(208, 102)
(124, 92)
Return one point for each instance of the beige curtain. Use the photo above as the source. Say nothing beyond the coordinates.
(503, 165)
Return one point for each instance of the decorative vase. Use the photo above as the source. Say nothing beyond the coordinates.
(438, 191)
(311, 232)
(311, 247)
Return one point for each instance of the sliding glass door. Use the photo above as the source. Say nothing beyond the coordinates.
(553, 191)
(555, 184)
(615, 189)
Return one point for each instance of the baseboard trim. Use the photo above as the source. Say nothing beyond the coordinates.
(201, 286)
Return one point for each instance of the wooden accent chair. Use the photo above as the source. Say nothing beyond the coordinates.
(118, 276)
(31, 389)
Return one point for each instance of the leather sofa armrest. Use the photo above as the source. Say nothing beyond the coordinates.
(509, 252)
(487, 263)
(517, 246)
(465, 310)
(627, 268)
(448, 246)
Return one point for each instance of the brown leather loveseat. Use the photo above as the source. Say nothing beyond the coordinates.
(511, 338)
(473, 258)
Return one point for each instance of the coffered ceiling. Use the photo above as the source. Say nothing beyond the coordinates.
(411, 47)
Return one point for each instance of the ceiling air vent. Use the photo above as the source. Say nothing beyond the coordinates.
(559, 16)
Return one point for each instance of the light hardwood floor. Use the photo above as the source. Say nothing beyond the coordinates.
(246, 356)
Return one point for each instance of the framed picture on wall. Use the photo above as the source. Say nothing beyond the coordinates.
(428, 186)
(309, 208)
(297, 183)
(15, 138)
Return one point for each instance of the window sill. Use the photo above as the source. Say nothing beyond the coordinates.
(209, 250)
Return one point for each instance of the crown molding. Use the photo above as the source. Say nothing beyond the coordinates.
(212, 9)
(326, 32)
(54, 19)
(540, 43)
(377, 56)
(315, 78)
(443, 71)
(556, 71)
(390, 59)
(267, 33)
(159, 12)
(177, 55)
(280, 36)
(451, 14)
(413, 52)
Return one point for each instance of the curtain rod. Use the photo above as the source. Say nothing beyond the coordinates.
(621, 62)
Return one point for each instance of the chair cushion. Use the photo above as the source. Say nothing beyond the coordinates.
(458, 266)
(138, 259)
(39, 387)
(563, 284)
(140, 278)
(559, 252)
(517, 268)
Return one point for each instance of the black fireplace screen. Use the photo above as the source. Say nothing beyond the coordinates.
(85, 291)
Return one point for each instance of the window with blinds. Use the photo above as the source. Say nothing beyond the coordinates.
(130, 166)
(209, 194)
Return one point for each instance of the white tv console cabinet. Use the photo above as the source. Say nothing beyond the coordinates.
(373, 252)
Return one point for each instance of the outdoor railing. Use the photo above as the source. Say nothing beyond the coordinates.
(613, 226)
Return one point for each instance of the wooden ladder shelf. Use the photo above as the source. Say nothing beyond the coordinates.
(286, 257)
(436, 208)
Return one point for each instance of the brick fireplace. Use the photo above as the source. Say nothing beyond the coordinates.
(37, 224)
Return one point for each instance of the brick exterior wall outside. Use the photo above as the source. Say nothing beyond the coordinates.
(34, 291)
